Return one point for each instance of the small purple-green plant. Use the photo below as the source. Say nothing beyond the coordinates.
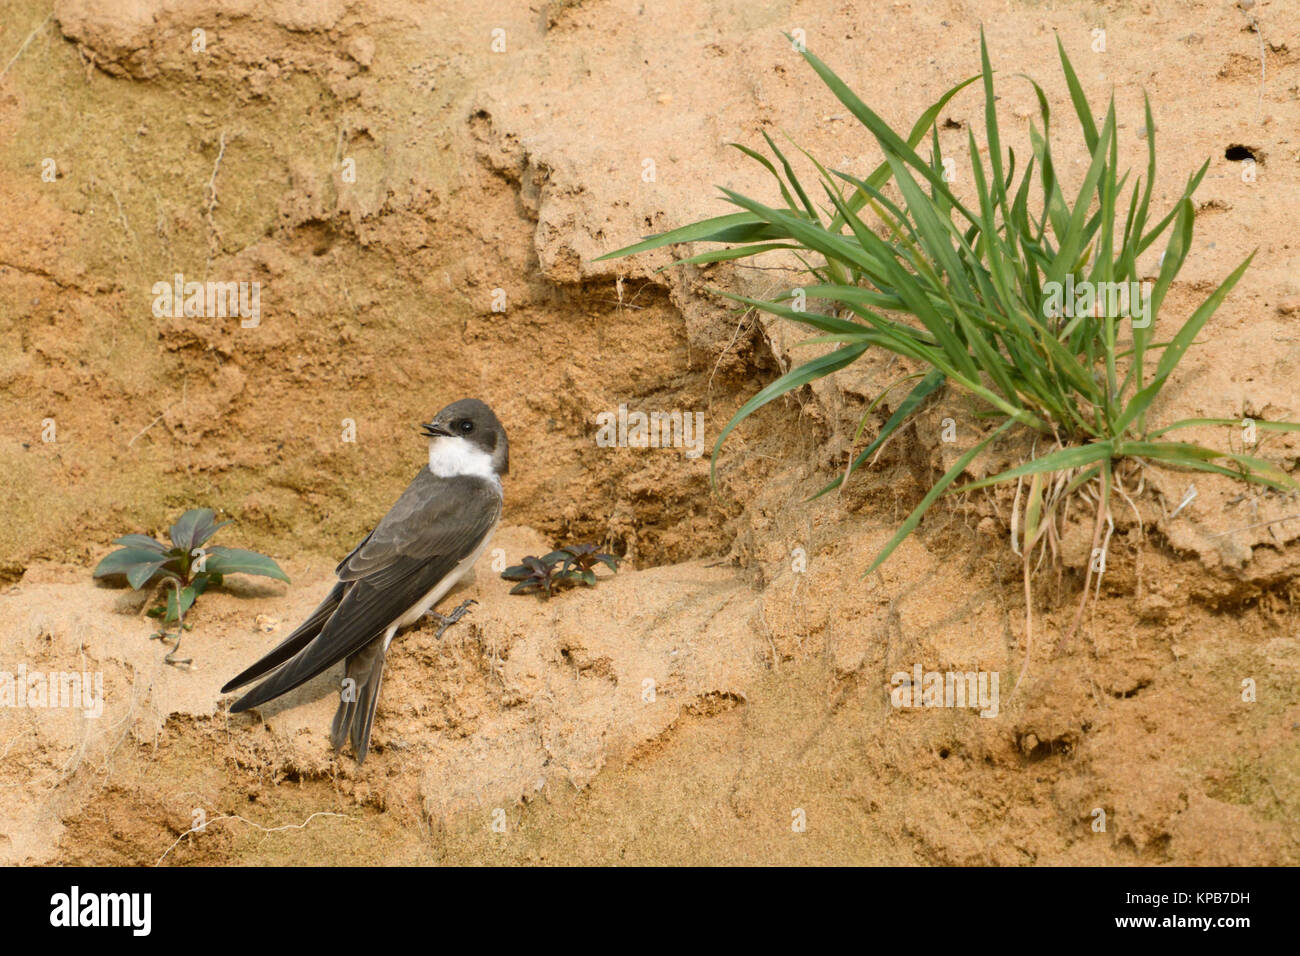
(569, 566)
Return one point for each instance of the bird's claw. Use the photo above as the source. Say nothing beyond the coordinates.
(447, 620)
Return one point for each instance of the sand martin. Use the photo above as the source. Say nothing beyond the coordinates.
(429, 538)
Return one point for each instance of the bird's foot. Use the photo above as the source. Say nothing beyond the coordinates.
(447, 620)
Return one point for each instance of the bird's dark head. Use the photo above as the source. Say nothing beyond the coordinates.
(465, 438)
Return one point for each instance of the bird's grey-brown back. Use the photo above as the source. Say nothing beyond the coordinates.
(430, 537)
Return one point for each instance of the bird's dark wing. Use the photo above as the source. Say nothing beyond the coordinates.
(291, 645)
(352, 554)
(435, 524)
(302, 635)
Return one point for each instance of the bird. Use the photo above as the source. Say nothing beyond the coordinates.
(430, 537)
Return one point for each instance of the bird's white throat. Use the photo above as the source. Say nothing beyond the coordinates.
(456, 457)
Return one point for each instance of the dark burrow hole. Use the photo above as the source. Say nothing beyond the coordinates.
(1238, 153)
(1132, 691)
(316, 236)
(1042, 749)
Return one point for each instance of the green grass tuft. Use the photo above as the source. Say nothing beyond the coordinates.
(972, 294)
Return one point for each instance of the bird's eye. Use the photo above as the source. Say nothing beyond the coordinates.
(466, 426)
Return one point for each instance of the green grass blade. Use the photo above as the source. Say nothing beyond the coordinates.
(1264, 426)
(1173, 354)
(703, 231)
(922, 390)
(939, 487)
(1060, 460)
(808, 372)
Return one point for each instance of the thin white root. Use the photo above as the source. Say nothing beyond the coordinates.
(257, 826)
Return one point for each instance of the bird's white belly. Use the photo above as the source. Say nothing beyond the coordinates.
(436, 593)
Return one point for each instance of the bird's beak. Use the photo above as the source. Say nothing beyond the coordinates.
(434, 430)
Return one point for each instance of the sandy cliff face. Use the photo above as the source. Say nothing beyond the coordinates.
(391, 172)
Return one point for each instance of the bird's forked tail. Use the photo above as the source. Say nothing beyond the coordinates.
(360, 694)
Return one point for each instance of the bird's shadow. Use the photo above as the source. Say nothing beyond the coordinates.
(248, 588)
(324, 684)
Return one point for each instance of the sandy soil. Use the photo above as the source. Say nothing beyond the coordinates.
(527, 733)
